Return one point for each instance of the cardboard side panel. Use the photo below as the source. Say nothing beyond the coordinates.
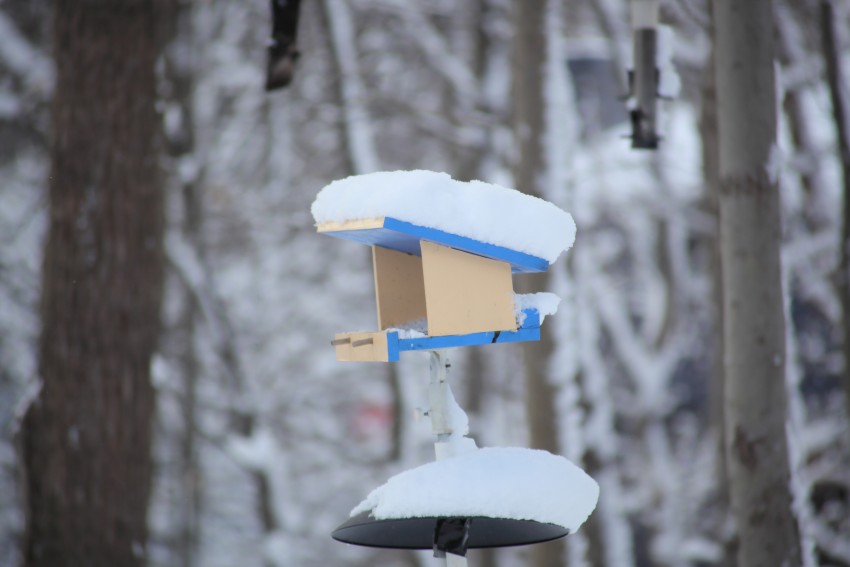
(399, 289)
(361, 347)
(465, 293)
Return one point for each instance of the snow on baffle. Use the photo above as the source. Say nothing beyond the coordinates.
(443, 254)
(513, 496)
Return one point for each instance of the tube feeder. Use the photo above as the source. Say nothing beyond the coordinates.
(644, 77)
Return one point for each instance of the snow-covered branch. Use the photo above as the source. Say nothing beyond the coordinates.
(23, 59)
(435, 47)
(358, 124)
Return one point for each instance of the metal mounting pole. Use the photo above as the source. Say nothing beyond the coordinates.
(440, 399)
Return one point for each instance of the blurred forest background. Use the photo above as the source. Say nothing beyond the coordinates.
(262, 442)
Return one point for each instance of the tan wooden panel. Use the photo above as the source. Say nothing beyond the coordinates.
(359, 224)
(376, 351)
(399, 288)
(465, 293)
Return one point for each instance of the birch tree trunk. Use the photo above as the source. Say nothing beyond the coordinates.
(86, 438)
(753, 319)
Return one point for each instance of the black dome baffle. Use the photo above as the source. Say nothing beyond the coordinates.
(418, 533)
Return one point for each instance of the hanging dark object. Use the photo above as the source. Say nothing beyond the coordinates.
(644, 77)
(283, 51)
(643, 82)
(445, 535)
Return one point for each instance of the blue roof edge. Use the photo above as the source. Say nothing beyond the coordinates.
(386, 237)
(519, 260)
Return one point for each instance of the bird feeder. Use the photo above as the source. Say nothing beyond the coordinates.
(443, 256)
(461, 288)
(644, 77)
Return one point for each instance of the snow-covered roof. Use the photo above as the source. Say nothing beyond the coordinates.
(480, 211)
(495, 482)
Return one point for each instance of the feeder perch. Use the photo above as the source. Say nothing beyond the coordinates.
(460, 286)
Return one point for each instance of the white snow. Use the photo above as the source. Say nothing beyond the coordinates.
(669, 82)
(481, 211)
(498, 482)
(544, 302)
(24, 59)
(358, 125)
(412, 330)
(455, 443)
(458, 420)
(252, 452)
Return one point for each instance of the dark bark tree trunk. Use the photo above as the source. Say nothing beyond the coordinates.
(753, 316)
(527, 109)
(840, 112)
(86, 438)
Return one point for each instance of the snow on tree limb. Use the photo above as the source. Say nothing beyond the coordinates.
(435, 47)
(23, 58)
(358, 125)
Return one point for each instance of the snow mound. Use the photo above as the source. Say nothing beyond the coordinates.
(481, 211)
(669, 82)
(495, 482)
(544, 302)
(412, 330)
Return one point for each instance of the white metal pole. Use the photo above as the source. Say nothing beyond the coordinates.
(439, 396)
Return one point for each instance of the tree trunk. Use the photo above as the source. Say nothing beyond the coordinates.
(86, 438)
(711, 172)
(528, 106)
(753, 318)
(832, 57)
(179, 74)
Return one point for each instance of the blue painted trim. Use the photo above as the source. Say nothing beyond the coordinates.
(405, 237)
(519, 261)
(530, 331)
(472, 339)
(392, 347)
(532, 318)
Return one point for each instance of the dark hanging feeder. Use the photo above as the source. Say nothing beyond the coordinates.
(283, 51)
(452, 535)
(644, 78)
(643, 82)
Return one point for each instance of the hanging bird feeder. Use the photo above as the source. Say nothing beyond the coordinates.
(644, 76)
